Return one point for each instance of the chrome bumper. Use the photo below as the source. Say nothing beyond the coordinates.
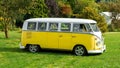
(98, 51)
(21, 47)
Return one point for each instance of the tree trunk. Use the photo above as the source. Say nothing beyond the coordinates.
(6, 32)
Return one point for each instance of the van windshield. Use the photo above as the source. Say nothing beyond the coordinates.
(94, 27)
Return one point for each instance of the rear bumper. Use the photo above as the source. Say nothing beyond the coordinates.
(21, 47)
(97, 51)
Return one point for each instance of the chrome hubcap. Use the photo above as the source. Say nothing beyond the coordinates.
(79, 50)
(33, 48)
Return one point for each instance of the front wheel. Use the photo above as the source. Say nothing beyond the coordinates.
(79, 50)
(33, 48)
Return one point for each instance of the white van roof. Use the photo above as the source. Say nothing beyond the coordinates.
(70, 20)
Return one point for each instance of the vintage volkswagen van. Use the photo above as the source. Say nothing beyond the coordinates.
(81, 36)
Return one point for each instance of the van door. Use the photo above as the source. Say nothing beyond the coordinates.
(65, 41)
(79, 34)
(42, 34)
(65, 36)
(52, 36)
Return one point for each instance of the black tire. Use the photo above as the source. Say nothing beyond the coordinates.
(33, 48)
(79, 51)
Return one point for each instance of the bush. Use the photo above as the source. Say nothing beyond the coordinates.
(91, 13)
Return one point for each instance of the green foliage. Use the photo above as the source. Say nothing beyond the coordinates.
(37, 8)
(10, 11)
(16, 9)
(91, 13)
(81, 4)
(104, 6)
(1, 27)
(72, 3)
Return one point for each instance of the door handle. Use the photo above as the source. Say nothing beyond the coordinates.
(60, 35)
(73, 36)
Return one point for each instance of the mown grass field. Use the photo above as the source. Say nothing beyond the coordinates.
(12, 57)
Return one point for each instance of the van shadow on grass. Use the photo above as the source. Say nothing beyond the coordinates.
(6, 49)
(43, 52)
(56, 52)
(62, 52)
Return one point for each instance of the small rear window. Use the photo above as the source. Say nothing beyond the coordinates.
(31, 26)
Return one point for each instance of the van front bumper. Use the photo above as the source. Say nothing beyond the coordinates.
(21, 47)
(97, 51)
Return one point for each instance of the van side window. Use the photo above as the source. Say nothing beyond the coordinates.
(65, 26)
(79, 28)
(53, 26)
(42, 26)
(31, 26)
(88, 28)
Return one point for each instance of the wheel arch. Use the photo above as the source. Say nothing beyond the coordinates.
(27, 45)
(79, 45)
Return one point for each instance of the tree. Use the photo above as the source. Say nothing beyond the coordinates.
(65, 9)
(90, 13)
(79, 5)
(17, 9)
(37, 8)
(9, 11)
(115, 15)
(112, 7)
(53, 8)
(72, 3)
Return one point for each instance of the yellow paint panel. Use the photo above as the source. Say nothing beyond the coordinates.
(52, 40)
(58, 40)
(65, 41)
(32, 37)
(86, 40)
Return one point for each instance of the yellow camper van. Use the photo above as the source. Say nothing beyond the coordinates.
(81, 36)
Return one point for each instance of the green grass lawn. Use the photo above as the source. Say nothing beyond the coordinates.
(12, 57)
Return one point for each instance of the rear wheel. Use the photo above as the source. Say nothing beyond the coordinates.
(79, 50)
(33, 48)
